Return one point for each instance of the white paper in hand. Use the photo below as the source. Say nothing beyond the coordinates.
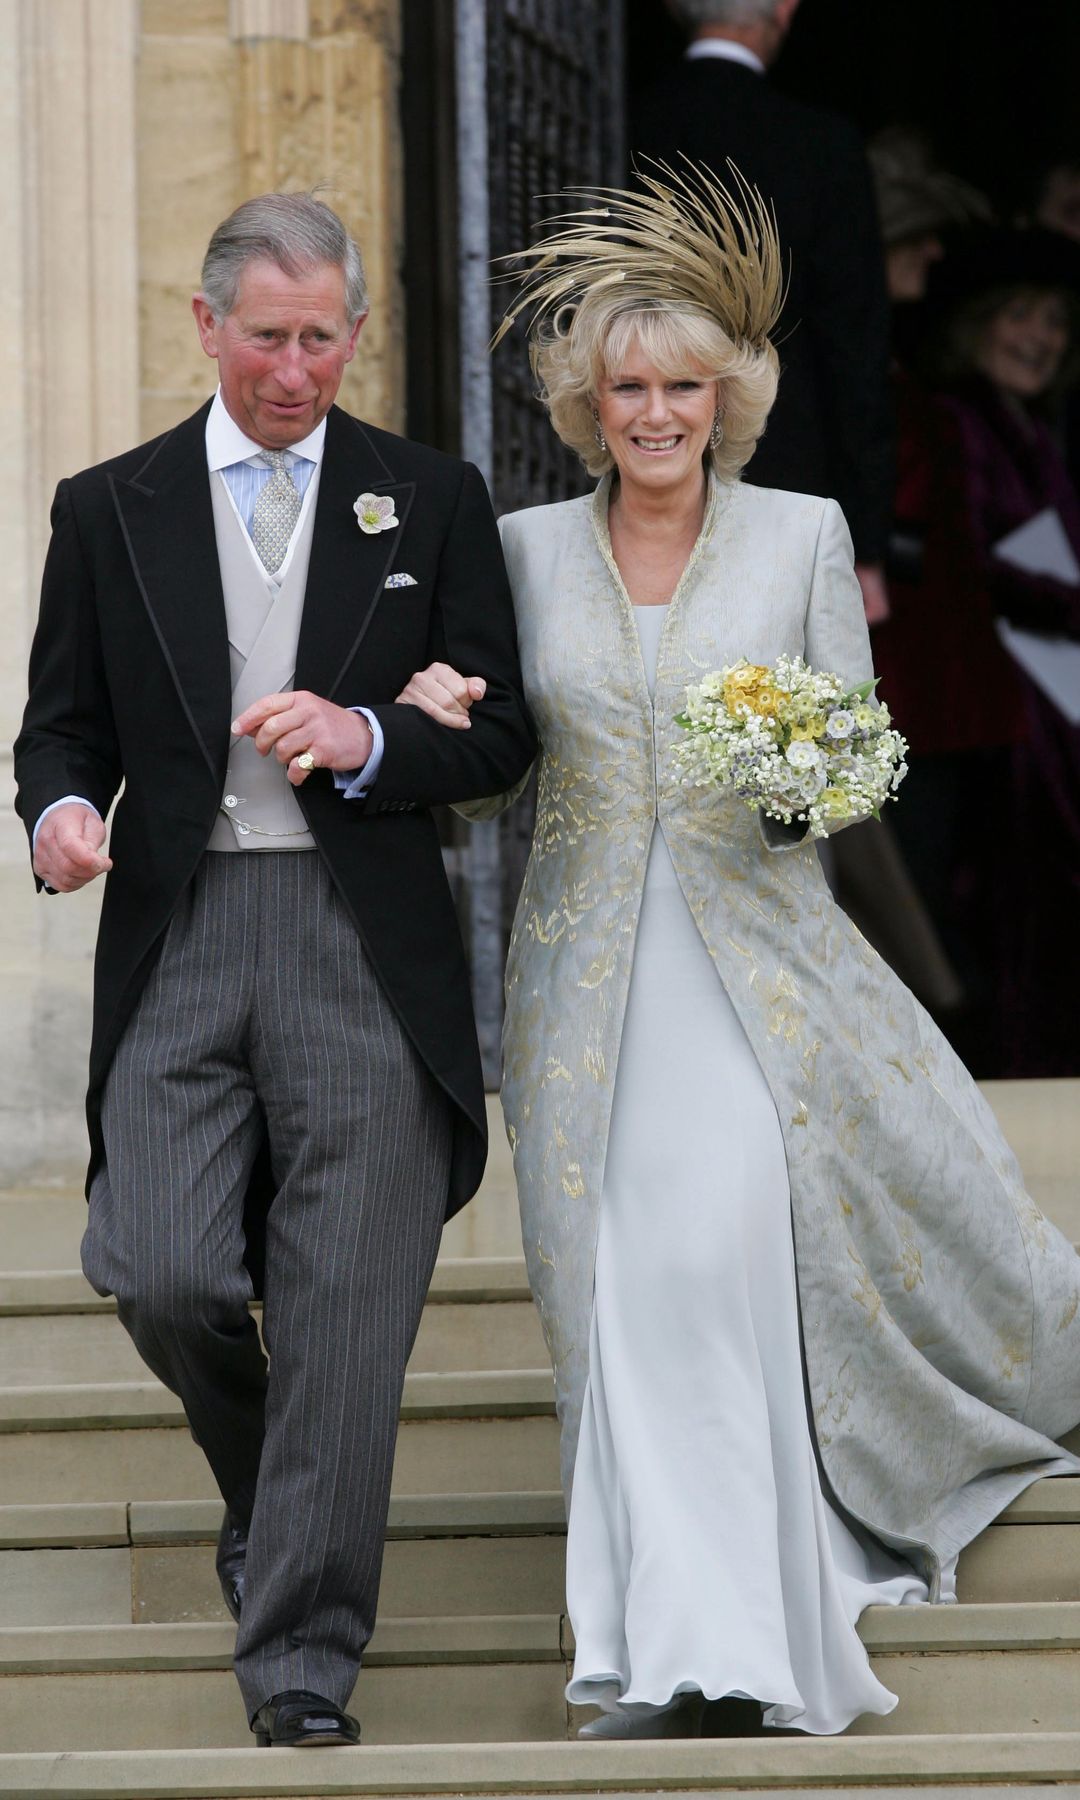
(1041, 547)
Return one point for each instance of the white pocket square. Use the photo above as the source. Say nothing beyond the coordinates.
(400, 580)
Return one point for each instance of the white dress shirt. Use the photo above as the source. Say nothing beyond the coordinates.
(240, 462)
(727, 48)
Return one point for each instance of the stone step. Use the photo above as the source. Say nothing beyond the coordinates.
(456, 1281)
(467, 1685)
(40, 1228)
(1041, 1121)
(43, 1227)
(501, 1513)
(997, 1766)
(144, 1404)
(63, 1455)
(169, 1522)
(434, 1456)
(43, 1348)
(153, 1562)
(1000, 1668)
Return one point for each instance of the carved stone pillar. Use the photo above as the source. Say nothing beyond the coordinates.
(128, 129)
(237, 97)
(68, 275)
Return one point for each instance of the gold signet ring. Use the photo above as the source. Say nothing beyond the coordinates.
(306, 762)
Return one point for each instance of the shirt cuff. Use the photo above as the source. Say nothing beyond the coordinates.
(68, 800)
(355, 783)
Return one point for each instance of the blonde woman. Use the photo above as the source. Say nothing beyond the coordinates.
(732, 1125)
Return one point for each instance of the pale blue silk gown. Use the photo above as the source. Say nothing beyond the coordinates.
(702, 1553)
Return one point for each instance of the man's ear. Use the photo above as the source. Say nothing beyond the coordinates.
(353, 335)
(205, 324)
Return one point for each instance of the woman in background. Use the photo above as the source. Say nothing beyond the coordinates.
(991, 822)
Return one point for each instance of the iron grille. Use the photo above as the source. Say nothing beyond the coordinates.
(540, 107)
(555, 87)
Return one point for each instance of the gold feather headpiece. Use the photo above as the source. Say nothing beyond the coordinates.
(684, 241)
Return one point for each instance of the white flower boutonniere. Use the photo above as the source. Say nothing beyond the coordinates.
(375, 512)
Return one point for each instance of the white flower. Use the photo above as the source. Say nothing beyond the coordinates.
(375, 512)
(847, 775)
(802, 755)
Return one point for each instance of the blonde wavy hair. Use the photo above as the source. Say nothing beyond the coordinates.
(587, 342)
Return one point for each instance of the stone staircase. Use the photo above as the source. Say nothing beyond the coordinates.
(115, 1672)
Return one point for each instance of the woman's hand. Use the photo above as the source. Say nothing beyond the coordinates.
(446, 695)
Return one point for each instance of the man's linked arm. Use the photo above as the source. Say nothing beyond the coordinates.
(67, 745)
(472, 629)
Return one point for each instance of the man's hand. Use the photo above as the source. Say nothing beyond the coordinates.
(289, 726)
(442, 692)
(68, 851)
(875, 595)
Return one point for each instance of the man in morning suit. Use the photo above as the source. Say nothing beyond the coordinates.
(830, 431)
(281, 1005)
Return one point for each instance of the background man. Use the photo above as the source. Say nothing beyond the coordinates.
(830, 431)
(281, 1003)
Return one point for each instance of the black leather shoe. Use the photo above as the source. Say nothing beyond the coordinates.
(301, 1720)
(230, 1563)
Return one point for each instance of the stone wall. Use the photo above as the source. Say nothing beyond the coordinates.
(127, 131)
(236, 99)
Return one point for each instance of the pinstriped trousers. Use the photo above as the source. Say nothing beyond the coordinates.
(264, 1014)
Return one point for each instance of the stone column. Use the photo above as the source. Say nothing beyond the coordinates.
(128, 128)
(237, 97)
(67, 118)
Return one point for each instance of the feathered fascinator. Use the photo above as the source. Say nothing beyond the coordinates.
(685, 242)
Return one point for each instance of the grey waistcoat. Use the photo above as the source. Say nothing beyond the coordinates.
(259, 810)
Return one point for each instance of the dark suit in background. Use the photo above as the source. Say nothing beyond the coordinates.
(830, 431)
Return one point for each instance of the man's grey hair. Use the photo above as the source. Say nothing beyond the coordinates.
(696, 13)
(297, 232)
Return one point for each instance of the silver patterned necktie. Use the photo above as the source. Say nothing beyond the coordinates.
(276, 512)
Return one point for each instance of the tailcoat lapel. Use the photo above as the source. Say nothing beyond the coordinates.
(348, 567)
(167, 521)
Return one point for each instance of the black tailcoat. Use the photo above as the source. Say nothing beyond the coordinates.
(830, 431)
(130, 683)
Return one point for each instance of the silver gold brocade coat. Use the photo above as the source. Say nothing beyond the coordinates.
(940, 1310)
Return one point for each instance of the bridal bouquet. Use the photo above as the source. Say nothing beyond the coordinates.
(792, 741)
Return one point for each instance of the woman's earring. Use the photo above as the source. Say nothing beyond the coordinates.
(716, 435)
(600, 438)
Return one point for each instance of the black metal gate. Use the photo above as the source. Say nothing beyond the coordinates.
(538, 106)
(555, 119)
